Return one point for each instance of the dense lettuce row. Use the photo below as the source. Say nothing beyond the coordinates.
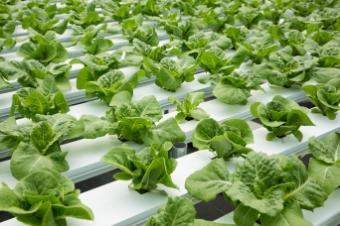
(239, 45)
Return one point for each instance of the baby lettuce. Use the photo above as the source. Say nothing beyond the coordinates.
(29, 73)
(41, 152)
(42, 20)
(284, 69)
(155, 53)
(227, 139)
(324, 74)
(133, 28)
(46, 99)
(63, 127)
(235, 88)
(171, 73)
(325, 97)
(175, 27)
(259, 45)
(146, 168)
(99, 79)
(92, 41)
(212, 59)
(11, 134)
(188, 108)
(94, 67)
(7, 27)
(281, 117)
(179, 211)
(44, 48)
(116, 10)
(86, 16)
(325, 163)
(43, 198)
(136, 121)
(324, 46)
(271, 190)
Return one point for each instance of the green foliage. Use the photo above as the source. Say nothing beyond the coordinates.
(87, 15)
(188, 108)
(272, 190)
(227, 139)
(42, 152)
(281, 117)
(171, 73)
(325, 164)
(146, 168)
(178, 211)
(325, 97)
(7, 27)
(11, 134)
(136, 121)
(98, 79)
(235, 88)
(284, 69)
(47, 99)
(43, 198)
(133, 28)
(29, 73)
(44, 48)
(92, 41)
(43, 20)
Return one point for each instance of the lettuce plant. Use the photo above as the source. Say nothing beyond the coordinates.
(110, 84)
(11, 134)
(99, 80)
(281, 117)
(46, 99)
(227, 139)
(44, 48)
(171, 73)
(7, 27)
(188, 109)
(212, 59)
(66, 126)
(43, 198)
(179, 211)
(325, 97)
(324, 74)
(325, 163)
(156, 53)
(132, 28)
(94, 67)
(284, 69)
(329, 54)
(270, 190)
(119, 11)
(146, 168)
(92, 41)
(87, 15)
(178, 28)
(201, 40)
(42, 20)
(235, 88)
(29, 73)
(259, 45)
(42, 152)
(138, 121)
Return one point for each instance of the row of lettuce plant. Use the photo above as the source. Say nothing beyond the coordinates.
(266, 190)
(136, 121)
